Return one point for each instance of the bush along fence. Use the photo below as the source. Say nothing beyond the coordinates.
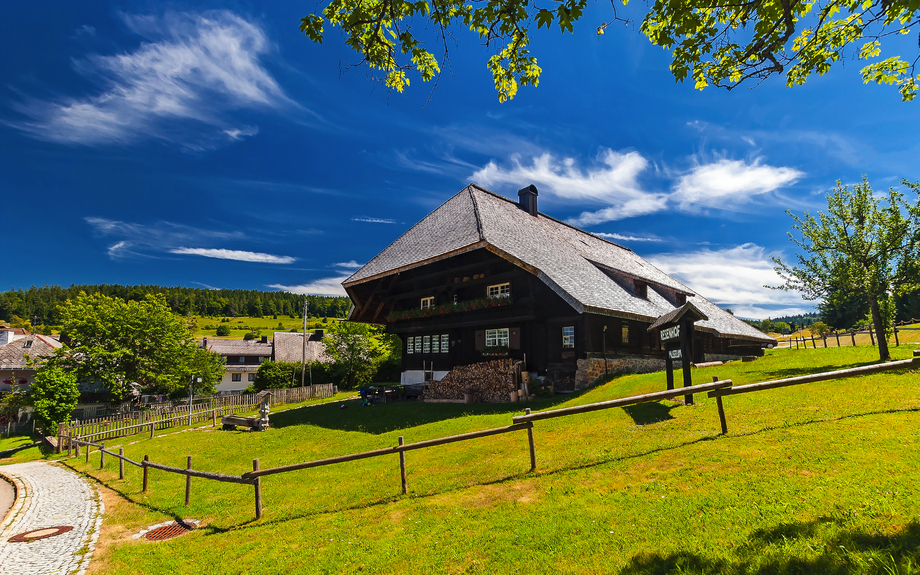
(717, 389)
(148, 421)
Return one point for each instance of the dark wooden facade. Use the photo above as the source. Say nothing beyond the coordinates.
(534, 315)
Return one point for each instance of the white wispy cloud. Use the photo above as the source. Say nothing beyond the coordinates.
(374, 220)
(237, 255)
(730, 184)
(323, 286)
(153, 240)
(612, 180)
(621, 237)
(734, 278)
(192, 71)
(351, 264)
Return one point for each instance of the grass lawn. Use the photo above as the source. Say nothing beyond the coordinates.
(819, 478)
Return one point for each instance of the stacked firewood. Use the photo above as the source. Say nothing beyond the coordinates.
(490, 381)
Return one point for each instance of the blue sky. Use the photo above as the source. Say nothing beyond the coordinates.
(213, 145)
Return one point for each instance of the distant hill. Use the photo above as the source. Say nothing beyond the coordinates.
(39, 304)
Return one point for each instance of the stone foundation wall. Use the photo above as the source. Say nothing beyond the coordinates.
(720, 357)
(591, 369)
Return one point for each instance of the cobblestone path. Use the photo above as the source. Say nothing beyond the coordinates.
(49, 496)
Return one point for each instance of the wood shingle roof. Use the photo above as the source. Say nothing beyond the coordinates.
(592, 274)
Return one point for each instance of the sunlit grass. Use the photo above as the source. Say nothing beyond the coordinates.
(819, 478)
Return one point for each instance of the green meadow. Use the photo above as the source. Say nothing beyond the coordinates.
(818, 478)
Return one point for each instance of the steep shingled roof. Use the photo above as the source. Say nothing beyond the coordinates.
(13, 355)
(289, 347)
(590, 273)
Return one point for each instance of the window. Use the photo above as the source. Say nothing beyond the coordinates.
(641, 288)
(27, 344)
(435, 344)
(681, 298)
(625, 337)
(427, 302)
(568, 337)
(497, 337)
(445, 343)
(499, 290)
(426, 344)
(236, 377)
(242, 359)
(252, 377)
(410, 345)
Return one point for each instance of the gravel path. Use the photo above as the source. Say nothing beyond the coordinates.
(49, 496)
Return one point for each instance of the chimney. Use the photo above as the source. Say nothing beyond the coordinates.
(528, 199)
(264, 339)
(317, 335)
(204, 342)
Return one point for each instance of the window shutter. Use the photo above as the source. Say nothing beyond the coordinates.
(480, 338)
(514, 338)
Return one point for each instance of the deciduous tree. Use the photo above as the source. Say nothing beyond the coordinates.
(862, 244)
(356, 348)
(120, 344)
(713, 43)
(54, 394)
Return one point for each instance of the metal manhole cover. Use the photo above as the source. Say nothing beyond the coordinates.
(37, 534)
(168, 530)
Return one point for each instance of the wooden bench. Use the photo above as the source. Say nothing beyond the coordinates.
(231, 422)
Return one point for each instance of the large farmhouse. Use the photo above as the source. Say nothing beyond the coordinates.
(483, 276)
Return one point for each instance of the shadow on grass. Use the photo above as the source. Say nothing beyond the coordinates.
(813, 369)
(846, 551)
(386, 417)
(646, 413)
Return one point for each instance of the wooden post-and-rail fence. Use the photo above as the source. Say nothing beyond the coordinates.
(717, 389)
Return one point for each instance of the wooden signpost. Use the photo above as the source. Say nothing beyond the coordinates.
(675, 331)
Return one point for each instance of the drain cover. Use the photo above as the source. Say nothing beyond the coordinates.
(168, 530)
(39, 534)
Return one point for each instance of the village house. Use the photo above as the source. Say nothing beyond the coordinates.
(483, 277)
(21, 354)
(243, 358)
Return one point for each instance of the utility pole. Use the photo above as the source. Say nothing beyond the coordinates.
(303, 357)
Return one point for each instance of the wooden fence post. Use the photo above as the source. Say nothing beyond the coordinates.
(87, 452)
(76, 446)
(69, 446)
(721, 409)
(188, 482)
(837, 335)
(146, 471)
(121, 463)
(258, 486)
(853, 337)
(151, 429)
(825, 342)
(102, 456)
(533, 452)
(60, 435)
(402, 466)
(871, 335)
(213, 418)
(896, 342)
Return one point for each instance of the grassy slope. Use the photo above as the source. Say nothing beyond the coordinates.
(240, 326)
(819, 478)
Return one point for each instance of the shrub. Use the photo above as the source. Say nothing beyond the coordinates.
(223, 330)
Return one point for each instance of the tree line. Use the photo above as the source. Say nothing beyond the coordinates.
(40, 305)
